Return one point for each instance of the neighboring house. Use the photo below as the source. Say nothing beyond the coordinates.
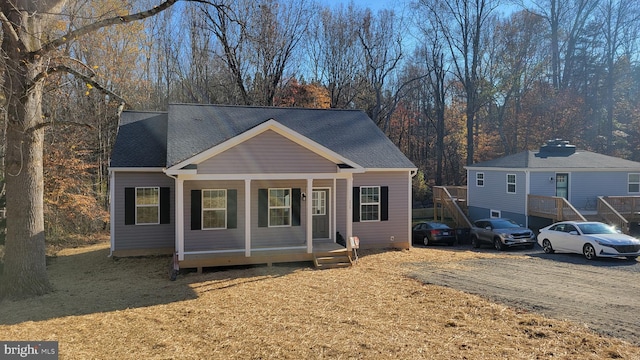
(225, 185)
(537, 187)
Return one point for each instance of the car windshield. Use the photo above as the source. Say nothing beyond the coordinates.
(596, 228)
(438, 226)
(504, 224)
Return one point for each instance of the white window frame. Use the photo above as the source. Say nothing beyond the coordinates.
(480, 179)
(636, 183)
(495, 214)
(318, 202)
(286, 206)
(202, 211)
(156, 205)
(514, 183)
(372, 203)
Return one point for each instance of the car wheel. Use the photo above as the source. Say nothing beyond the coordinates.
(498, 244)
(589, 251)
(474, 242)
(425, 241)
(546, 246)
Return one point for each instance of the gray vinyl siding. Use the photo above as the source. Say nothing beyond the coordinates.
(133, 237)
(270, 153)
(274, 237)
(542, 185)
(215, 239)
(493, 195)
(377, 234)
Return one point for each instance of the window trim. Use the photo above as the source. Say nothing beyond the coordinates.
(514, 183)
(315, 202)
(378, 203)
(629, 183)
(497, 212)
(203, 209)
(289, 207)
(157, 205)
(479, 179)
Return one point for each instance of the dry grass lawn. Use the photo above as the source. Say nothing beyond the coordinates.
(127, 309)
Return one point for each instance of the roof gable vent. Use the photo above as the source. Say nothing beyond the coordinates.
(557, 147)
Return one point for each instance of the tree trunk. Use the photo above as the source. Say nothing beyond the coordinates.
(24, 273)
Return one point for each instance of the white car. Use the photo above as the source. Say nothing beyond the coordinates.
(592, 239)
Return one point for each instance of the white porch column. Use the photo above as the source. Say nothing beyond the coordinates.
(334, 208)
(247, 217)
(349, 209)
(179, 213)
(309, 210)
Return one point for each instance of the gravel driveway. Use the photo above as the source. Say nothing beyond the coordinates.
(603, 294)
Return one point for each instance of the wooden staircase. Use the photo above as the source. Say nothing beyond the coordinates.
(332, 260)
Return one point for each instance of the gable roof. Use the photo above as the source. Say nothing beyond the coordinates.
(193, 129)
(541, 160)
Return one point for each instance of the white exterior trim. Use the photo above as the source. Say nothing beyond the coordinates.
(309, 212)
(112, 211)
(179, 215)
(247, 217)
(135, 169)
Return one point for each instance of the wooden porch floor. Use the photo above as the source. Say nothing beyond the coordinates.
(321, 248)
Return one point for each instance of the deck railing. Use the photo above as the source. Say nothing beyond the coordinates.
(608, 211)
(449, 197)
(554, 207)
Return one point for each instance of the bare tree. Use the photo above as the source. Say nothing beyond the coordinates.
(335, 52)
(462, 23)
(29, 45)
(258, 41)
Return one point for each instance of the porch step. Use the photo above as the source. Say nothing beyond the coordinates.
(332, 261)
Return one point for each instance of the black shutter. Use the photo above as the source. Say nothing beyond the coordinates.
(165, 205)
(263, 207)
(296, 195)
(356, 204)
(129, 206)
(384, 203)
(196, 210)
(232, 208)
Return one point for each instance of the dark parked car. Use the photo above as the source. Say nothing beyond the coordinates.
(501, 233)
(433, 232)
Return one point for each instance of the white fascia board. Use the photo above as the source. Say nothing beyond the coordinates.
(279, 129)
(266, 176)
(172, 171)
(554, 169)
(135, 169)
(411, 170)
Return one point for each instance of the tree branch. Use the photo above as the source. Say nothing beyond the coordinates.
(49, 123)
(8, 27)
(83, 77)
(117, 20)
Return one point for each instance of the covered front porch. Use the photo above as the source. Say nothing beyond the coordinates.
(316, 207)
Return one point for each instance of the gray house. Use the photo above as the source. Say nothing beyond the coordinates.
(556, 182)
(225, 185)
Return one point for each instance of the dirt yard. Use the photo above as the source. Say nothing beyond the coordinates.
(602, 294)
(106, 308)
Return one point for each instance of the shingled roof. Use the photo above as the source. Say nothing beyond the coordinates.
(192, 129)
(558, 154)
